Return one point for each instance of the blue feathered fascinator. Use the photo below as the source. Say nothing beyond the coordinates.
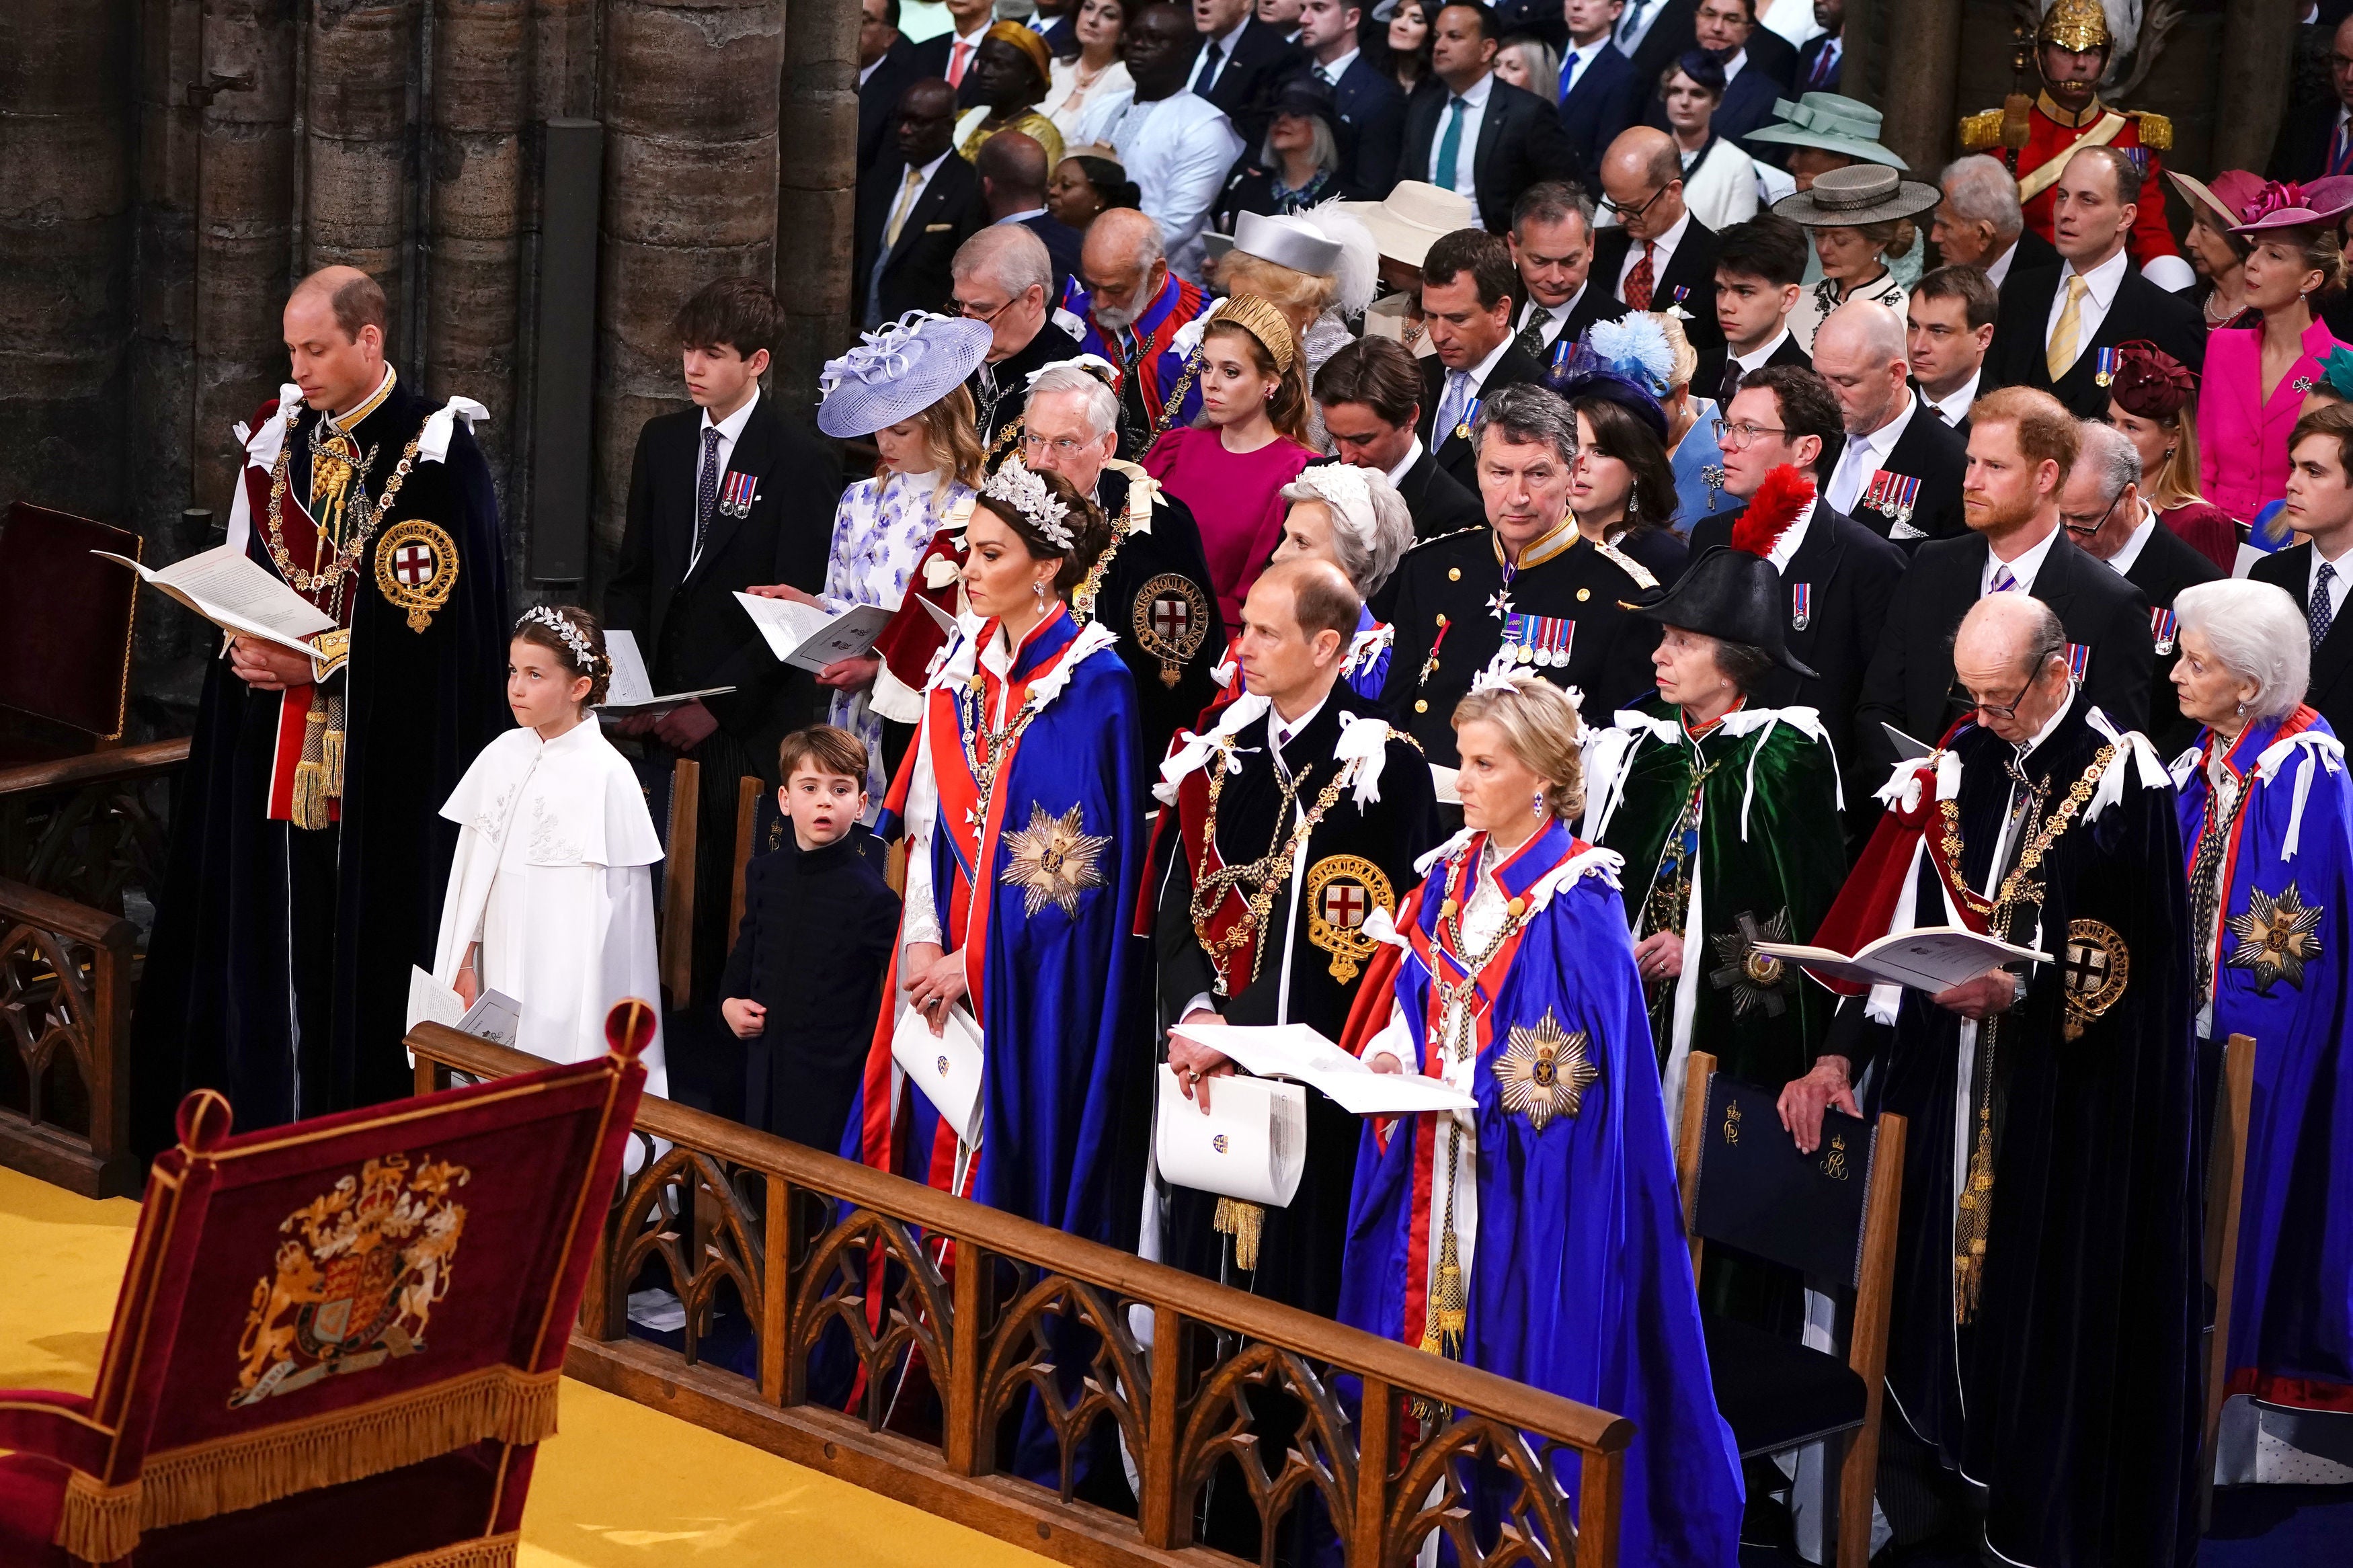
(1626, 362)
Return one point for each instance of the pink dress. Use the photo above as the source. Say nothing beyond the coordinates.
(2242, 433)
(1235, 497)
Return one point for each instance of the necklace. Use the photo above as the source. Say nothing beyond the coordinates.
(353, 547)
(1265, 876)
(2018, 886)
(985, 746)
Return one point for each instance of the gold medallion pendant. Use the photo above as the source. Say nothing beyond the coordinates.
(1052, 862)
(1544, 1072)
(2277, 937)
(1342, 891)
(417, 569)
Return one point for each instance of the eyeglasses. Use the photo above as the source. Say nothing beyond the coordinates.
(1623, 211)
(973, 313)
(1741, 437)
(1061, 446)
(1965, 700)
(2075, 523)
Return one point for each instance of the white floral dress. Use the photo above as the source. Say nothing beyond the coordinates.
(880, 530)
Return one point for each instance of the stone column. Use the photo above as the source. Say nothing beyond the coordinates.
(817, 200)
(2251, 94)
(357, 190)
(243, 229)
(474, 221)
(689, 111)
(1919, 49)
(65, 73)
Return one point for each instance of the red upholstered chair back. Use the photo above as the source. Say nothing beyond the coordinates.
(65, 619)
(318, 1304)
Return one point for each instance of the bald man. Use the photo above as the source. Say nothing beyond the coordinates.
(1658, 255)
(1133, 306)
(308, 847)
(2050, 1194)
(1899, 473)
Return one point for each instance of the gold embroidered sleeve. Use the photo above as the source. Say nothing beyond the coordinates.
(2155, 129)
(1981, 132)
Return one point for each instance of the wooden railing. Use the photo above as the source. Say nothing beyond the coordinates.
(75, 835)
(1392, 1443)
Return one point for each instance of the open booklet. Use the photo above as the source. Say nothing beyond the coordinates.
(1931, 959)
(1251, 1144)
(1297, 1052)
(631, 690)
(811, 638)
(238, 594)
(495, 1016)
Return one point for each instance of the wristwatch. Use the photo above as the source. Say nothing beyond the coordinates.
(2017, 988)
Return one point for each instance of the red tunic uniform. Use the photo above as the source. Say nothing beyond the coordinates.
(2052, 133)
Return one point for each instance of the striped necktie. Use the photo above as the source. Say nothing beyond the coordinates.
(2067, 332)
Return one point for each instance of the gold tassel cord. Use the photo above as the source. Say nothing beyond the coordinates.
(1241, 1220)
(490, 1552)
(224, 1476)
(309, 809)
(331, 750)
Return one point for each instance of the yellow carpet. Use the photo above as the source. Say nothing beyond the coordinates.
(621, 1486)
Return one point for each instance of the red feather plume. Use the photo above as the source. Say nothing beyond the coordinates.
(1778, 503)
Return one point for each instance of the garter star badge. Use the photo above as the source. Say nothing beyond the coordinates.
(417, 569)
(1341, 889)
(1753, 979)
(1544, 1072)
(1052, 861)
(2276, 937)
(359, 1286)
(2095, 967)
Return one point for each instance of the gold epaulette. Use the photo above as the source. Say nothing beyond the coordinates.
(1982, 133)
(2155, 129)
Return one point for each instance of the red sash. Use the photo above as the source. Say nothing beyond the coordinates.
(299, 537)
(1229, 918)
(1186, 305)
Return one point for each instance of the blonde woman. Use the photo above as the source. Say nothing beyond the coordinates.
(904, 387)
(1537, 1236)
(1861, 217)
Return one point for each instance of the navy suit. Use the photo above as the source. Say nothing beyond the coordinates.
(1747, 105)
(1607, 99)
(934, 54)
(1260, 60)
(1809, 62)
(1371, 110)
(878, 101)
(1520, 144)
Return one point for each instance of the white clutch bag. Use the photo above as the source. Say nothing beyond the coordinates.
(1253, 1144)
(946, 1065)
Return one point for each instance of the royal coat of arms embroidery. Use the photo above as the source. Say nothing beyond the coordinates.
(358, 1284)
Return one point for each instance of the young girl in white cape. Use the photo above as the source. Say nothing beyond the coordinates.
(550, 900)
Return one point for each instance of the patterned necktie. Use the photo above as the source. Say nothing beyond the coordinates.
(706, 489)
(2323, 613)
(2003, 582)
(1450, 149)
(1732, 376)
(1449, 407)
(2067, 329)
(1629, 21)
(1637, 292)
(2206, 872)
(1532, 336)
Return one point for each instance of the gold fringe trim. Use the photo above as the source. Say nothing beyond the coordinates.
(223, 1477)
(99, 1524)
(490, 1552)
(1241, 1220)
(331, 763)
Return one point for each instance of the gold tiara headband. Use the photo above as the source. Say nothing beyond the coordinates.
(1256, 314)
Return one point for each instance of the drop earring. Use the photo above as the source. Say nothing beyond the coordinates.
(1040, 590)
(1535, 803)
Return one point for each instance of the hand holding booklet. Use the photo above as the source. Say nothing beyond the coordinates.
(238, 594)
(631, 690)
(946, 1065)
(495, 1016)
(1251, 1144)
(811, 637)
(1930, 958)
(1297, 1052)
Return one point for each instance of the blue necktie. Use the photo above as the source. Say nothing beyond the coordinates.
(1450, 149)
(706, 489)
(1627, 23)
(2323, 613)
(1449, 407)
(1567, 75)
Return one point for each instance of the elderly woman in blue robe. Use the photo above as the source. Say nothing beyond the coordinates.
(2266, 810)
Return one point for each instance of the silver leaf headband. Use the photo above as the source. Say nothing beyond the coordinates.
(584, 652)
(1027, 494)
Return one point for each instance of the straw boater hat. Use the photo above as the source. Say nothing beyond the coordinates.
(898, 371)
(1851, 197)
(1833, 124)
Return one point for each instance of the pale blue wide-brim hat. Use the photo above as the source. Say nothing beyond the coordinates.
(1832, 122)
(898, 371)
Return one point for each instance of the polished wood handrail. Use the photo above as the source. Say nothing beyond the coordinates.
(1469, 1388)
(119, 765)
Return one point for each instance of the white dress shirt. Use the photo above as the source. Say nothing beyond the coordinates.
(2023, 567)
(1205, 76)
(1176, 150)
(2344, 564)
(1955, 408)
(1999, 267)
(1338, 68)
(2123, 560)
(1663, 252)
(1786, 547)
(869, 68)
(1731, 67)
(1023, 217)
(1865, 455)
(1635, 23)
(1466, 157)
(1555, 317)
(969, 43)
(730, 429)
(2099, 293)
(1412, 456)
(1756, 361)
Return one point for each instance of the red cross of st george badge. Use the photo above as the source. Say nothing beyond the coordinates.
(413, 564)
(1345, 904)
(1172, 618)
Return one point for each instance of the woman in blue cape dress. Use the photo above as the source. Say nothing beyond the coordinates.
(1540, 1237)
(2267, 811)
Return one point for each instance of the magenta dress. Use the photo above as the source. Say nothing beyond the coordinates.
(2242, 433)
(1235, 497)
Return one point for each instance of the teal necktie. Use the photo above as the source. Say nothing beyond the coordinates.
(1450, 149)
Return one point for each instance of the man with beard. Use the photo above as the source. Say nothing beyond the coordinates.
(2042, 1348)
(1132, 307)
(2021, 445)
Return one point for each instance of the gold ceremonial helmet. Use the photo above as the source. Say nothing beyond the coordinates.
(2076, 25)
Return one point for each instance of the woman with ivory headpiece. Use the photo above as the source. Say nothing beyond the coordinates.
(1537, 1236)
(903, 385)
(550, 899)
(2266, 812)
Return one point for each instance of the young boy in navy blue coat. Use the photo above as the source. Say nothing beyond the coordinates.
(803, 987)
